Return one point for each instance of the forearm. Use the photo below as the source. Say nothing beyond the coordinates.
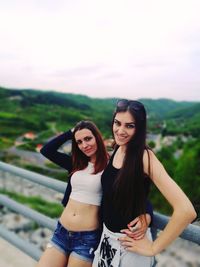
(183, 210)
(177, 223)
(50, 151)
(53, 145)
(181, 217)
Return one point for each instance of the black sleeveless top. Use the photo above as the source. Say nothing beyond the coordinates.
(112, 218)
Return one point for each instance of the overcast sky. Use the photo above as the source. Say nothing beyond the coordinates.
(102, 48)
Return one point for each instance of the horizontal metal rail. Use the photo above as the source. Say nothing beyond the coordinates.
(20, 243)
(13, 238)
(58, 186)
(191, 233)
(41, 219)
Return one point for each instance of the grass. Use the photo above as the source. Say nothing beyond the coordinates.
(50, 209)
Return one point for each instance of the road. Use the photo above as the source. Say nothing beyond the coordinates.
(12, 257)
(33, 157)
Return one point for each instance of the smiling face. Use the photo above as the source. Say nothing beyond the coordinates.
(123, 128)
(86, 142)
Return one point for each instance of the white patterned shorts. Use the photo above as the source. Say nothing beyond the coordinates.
(110, 253)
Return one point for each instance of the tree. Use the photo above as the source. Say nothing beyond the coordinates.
(187, 173)
(166, 156)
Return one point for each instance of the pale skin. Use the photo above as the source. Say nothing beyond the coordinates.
(183, 210)
(77, 216)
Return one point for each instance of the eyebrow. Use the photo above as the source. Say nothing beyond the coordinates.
(127, 123)
(88, 136)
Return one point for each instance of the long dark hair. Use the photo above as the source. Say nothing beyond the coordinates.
(130, 189)
(79, 159)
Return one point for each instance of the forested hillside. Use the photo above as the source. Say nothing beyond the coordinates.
(31, 110)
(174, 126)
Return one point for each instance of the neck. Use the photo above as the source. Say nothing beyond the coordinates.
(93, 159)
(122, 149)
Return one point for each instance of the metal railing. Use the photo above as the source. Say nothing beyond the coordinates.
(191, 233)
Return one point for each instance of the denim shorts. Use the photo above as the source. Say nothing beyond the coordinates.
(79, 244)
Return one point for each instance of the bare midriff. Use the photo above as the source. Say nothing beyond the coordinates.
(78, 216)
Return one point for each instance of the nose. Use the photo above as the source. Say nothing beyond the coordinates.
(84, 144)
(121, 130)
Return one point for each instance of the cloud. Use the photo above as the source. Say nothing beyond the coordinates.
(87, 70)
(110, 46)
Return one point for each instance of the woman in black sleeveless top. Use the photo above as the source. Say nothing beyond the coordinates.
(125, 183)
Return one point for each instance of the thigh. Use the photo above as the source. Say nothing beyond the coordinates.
(52, 257)
(76, 262)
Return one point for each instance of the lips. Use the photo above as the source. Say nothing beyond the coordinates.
(121, 138)
(88, 151)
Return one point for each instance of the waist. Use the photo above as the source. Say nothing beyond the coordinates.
(80, 216)
(113, 218)
(116, 235)
(79, 234)
(112, 235)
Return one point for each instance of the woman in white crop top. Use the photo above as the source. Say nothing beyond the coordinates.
(77, 234)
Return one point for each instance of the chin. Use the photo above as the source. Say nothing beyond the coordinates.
(120, 143)
(90, 154)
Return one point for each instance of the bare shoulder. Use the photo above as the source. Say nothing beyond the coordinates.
(152, 165)
(149, 157)
(148, 154)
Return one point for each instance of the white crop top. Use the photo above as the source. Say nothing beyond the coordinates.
(86, 187)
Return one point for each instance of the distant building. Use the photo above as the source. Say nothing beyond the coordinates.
(18, 143)
(38, 147)
(30, 135)
(17, 97)
(156, 138)
(168, 140)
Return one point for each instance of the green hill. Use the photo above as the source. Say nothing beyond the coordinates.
(47, 113)
(184, 120)
(39, 111)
